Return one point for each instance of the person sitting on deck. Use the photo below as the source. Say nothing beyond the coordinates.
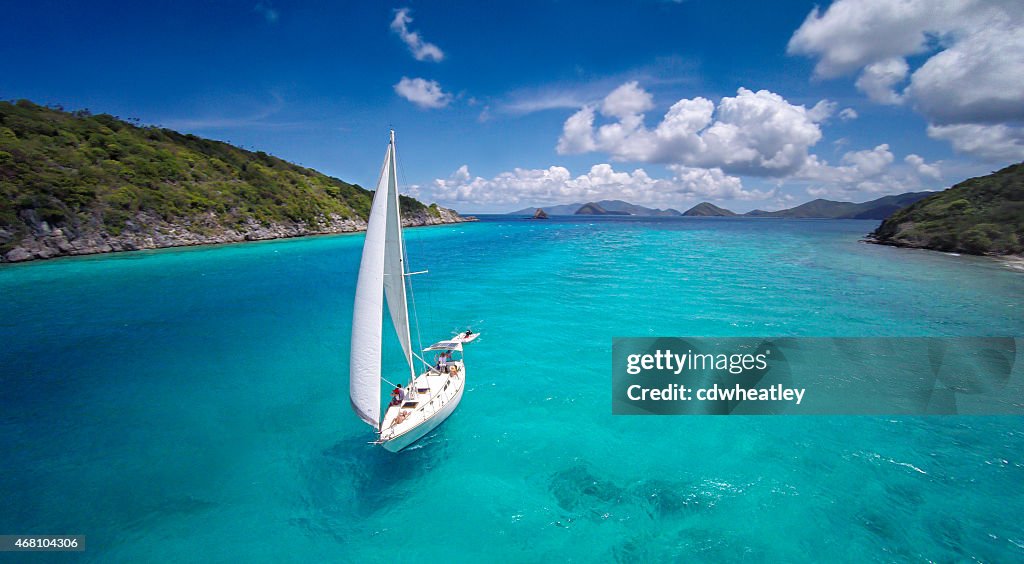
(468, 333)
(397, 395)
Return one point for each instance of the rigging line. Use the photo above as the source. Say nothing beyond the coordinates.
(400, 171)
(403, 258)
(425, 363)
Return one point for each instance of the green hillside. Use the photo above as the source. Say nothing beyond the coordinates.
(82, 172)
(983, 215)
(594, 208)
(707, 209)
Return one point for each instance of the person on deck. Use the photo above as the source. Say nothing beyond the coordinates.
(397, 395)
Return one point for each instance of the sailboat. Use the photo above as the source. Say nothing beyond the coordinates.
(426, 399)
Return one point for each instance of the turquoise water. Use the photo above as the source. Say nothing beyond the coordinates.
(184, 405)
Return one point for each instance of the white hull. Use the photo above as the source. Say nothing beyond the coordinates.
(431, 409)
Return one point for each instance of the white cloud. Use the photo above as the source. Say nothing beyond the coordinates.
(419, 48)
(976, 80)
(852, 34)
(922, 168)
(556, 185)
(423, 93)
(712, 184)
(578, 133)
(970, 75)
(537, 102)
(994, 143)
(871, 162)
(868, 173)
(878, 79)
(626, 101)
(757, 133)
(586, 88)
(822, 111)
(848, 114)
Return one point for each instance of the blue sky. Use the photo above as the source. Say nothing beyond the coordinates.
(503, 106)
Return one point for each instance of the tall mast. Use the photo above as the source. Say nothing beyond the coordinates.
(404, 334)
(395, 270)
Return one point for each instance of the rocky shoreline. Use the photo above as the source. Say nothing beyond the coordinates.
(148, 231)
(1011, 261)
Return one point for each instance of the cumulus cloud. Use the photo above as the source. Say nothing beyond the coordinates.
(713, 184)
(756, 133)
(848, 114)
(922, 168)
(993, 143)
(424, 93)
(578, 133)
(822, 111)
(627, 101)
(976, 80)
(879, 79)
(861, 175)
(556, 185)
(852, 34)
(419, 48)
(970, 75)
(870, 172)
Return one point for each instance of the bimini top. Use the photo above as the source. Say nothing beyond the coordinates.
(445, 346)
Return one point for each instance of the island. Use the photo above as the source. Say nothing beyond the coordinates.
(879, 208)
(980, 216)
(607, 205)
(707, 209)
(594, 208)
(539, 214)
(73, 183)
(821, 208)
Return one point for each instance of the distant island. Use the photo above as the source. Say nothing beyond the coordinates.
(707, 209)
(821, 209)
(594, 208)
(76, 183)
(831, 209)
(603, 207)
(540, 214)
(815, 209)
(981, 216)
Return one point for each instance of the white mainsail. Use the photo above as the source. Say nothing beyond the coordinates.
(381, 272)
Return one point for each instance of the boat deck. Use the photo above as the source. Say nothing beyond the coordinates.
(433, 391)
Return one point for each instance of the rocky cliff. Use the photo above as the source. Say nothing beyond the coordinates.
(149, 231)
